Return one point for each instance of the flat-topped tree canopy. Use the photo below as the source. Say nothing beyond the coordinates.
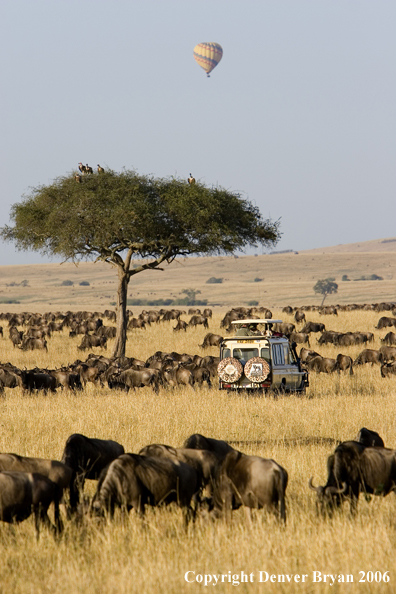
(118, 217)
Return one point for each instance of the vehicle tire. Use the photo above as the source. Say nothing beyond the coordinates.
(257, 369)
(229, 370)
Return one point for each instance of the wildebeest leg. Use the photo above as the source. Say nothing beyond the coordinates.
(248, 515)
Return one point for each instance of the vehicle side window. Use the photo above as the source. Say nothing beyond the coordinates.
(278, 354)
(265, 354)
(226, 353)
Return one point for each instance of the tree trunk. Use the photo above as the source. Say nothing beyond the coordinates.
(324, 297)
(122, 293)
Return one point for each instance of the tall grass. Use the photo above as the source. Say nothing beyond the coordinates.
(128, 556)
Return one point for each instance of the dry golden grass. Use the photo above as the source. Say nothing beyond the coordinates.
(298, 432)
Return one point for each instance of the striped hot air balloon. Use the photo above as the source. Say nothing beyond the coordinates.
(208, 55)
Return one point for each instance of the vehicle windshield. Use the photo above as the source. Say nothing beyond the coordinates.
(245, 354)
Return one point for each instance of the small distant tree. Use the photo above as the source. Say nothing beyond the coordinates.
(325, 287)
(190, 295)
(214, 281)
(345, 277)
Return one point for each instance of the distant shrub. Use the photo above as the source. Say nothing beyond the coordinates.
(84, 284)
(253, 302)
(9, 301)
(67, 283)
(345, 277)
(369, 277)
(213, 280)
(258, 279)
(25, 283)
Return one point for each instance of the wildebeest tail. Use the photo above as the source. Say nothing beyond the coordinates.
(281, 484)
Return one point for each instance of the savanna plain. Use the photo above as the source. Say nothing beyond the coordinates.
(299, 432)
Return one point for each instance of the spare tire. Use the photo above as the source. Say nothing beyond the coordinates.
(257, 369)
(229, 370)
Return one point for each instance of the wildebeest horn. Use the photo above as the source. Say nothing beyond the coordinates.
(335, 491)
(311, 485)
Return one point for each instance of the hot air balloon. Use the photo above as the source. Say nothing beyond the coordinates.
(208, 55)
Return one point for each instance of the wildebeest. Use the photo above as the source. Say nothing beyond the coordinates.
(181, 325)
(284, 328)
(388, 369)
(133, 481)
(200, 442)
(368, 356)
(53, 469)
(389, 339)
(321, 364)
(385, 322)
(87, 457)
(211, 340)
(299, 338)
(196, 320)
(369, 438)
(250, 481)
(343, 363)
(177, 376)
(313, 327)
(16, 335)
(31, 344)
(91, 340)
(299, 316)
(203, 461)
(388, 353)
(22, 493)
(38, 381)
(132, 378)
(307, 354)
(355, 468)
(66, 379)
(10, 378)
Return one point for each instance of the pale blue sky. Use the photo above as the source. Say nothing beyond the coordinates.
(299, 115)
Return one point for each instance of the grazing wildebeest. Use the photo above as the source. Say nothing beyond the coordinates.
(91, 340)
(196, 320)
(133, 481)
(321, 364)
(343, 363)
(199, 442)
(369, 438)
(307, 354)
(53, 469)
(132, 378)
(299, 338)
(355, 468)
(211, 340)
(22, 493)
(250, 481)
(181, 325)
(177, 376)
(10, 378)
(203, 461)
(389, 339)
(384, 322)
(388, 353)
(31, 344)
(87, 457)
(388, 369)
(16, 335)
(66, 379)
(284, 328)
(368, 356)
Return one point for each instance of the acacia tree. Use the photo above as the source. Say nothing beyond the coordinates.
(325, 287)
(124, 218)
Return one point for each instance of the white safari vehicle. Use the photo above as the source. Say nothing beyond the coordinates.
(263, 361)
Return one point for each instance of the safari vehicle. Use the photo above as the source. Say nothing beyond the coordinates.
(264, 361)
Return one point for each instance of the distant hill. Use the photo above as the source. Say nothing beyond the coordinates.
(270, 279)
(376, 245)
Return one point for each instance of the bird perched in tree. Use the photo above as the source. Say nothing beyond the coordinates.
(100, 169)
(88, 169)
(82, 168)
(78, 178)
(191, 180)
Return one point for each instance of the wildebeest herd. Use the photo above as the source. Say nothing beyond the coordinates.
(205, 475)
